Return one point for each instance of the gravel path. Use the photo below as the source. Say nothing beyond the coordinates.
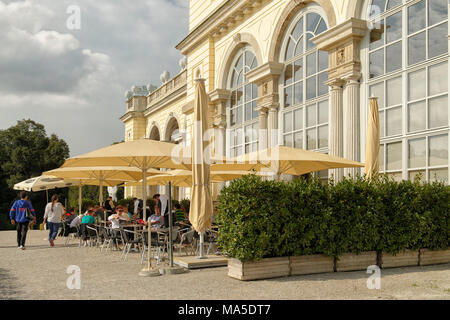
(39, 272)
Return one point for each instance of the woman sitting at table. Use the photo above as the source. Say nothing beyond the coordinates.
(87, 220)
(156, 220)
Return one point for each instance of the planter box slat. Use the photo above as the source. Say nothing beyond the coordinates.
(311, 264)
(428, 257)
(354, 262)
(402, 259)
(264, 269)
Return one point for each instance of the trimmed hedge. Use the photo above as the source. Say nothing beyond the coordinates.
(260, 219)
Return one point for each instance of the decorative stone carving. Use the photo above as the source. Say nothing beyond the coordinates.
(164, 77)
(237, 37)
(183, 63)
(340, 56)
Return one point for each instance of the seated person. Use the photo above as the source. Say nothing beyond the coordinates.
(87, 219)
(99, 212)
(115, 222)
(179, 213)
(156, 220)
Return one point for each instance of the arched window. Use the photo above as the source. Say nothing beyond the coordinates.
(408, 72)
(242, 114)
(304, 94)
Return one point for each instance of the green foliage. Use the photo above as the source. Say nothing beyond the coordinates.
(186, 204)
(261, 219)
(25, 152)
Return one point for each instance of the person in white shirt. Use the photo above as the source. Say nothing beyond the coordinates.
(136, 205)
(156, 220)
(54, 213)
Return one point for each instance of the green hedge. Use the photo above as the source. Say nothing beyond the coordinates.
(260, 219)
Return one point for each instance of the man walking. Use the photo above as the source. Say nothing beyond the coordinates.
(18, 217)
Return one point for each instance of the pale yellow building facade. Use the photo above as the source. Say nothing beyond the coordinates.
(304, 70)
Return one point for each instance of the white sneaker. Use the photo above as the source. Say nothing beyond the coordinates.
(19, 247)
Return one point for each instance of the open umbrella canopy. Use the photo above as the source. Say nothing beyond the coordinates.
(142, 153)
(44, 182)
(114, 175)
(285, 160)
(183, 178)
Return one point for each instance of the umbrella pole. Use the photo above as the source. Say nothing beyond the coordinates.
(79, 197)
(170, 226)
(46, 193)
(202, 239)
(144, 189)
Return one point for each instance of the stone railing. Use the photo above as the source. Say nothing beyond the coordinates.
(168, 87)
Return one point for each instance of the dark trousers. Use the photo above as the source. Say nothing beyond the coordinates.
(22, 229)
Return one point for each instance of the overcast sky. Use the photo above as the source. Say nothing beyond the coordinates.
(73, 81)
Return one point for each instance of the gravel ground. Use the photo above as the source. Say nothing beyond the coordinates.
(39, 272)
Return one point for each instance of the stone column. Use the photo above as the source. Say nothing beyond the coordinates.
(336, 139)
(352, 132)
(219, 99)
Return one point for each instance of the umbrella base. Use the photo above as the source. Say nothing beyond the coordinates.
(172, 270)
(149, 273)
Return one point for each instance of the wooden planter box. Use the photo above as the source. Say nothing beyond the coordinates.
(311, 264)
(354, 262)
(264, 269)
(401, 259)
(428, 257)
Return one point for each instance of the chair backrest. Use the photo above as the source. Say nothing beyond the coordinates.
(91, 230)
(175, 233)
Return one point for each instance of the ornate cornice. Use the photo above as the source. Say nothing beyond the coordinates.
(219, 95)
(265, 72)
(333, 38)
(220, 22)
(132, 115)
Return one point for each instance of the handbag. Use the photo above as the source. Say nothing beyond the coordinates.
(28, 214)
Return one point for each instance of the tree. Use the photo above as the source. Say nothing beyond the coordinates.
(25, 152)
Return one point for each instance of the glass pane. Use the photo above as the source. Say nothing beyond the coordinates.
(311, 116)
(288, 97)
(248, 92)
(311, 64)
(311, 139)
(239, 63)
(379, 6)
(382, 134)
(321, 27)
(299, 48)
(417, 116)
(249, 57)
(417, 174)
(309, 43)
(437, 40)
(248, 134)
(394, 27)
(416, 87)
(288, 140)
(393, 3)
(233, 117)
(240, 134)
(394, 156)
(396, 176)
(381, 158)
(394, 121)
(376, 63)
(323, 60)
(377, 37)
(323, 112)
(248, 112)
(438, 150)
(311, 88)
(298, 70)
(394, 57)
(298, 30)
(416, 48)
(298, 92)
(312, 19)
(438, 112)
(254, 91)
(239, 115)
(289, 49)
(233, 99)
(323, 137)
(240, 95)
(416, 17)
(298, 140)
(438, 79)
(323, 88)
(394, 91)
(437, 11)
(239, 151)
(377, 90)
(288, 122)
(417, 153)
(298, 119)
(440, 175)
(288, 74)
(254, 109)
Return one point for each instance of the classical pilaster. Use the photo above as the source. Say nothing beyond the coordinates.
(336, 139)
(266, 78)
(352, 143)
(219, 99)
(342, 42)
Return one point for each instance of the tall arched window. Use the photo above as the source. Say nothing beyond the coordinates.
(242, 114)
(304, 94)
(408, 72)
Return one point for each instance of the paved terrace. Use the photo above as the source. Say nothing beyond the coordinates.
(40, 273)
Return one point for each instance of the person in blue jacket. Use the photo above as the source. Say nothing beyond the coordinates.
(18, 216)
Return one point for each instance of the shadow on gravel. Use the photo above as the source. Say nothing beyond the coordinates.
(355, 275)
(9, 289)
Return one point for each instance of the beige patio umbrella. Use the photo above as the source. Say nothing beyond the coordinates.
(201, 210)
(183, 178)
(99, 176)
(372, 166)
(285, 160)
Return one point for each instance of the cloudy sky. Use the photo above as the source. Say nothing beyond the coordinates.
(73, 81)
